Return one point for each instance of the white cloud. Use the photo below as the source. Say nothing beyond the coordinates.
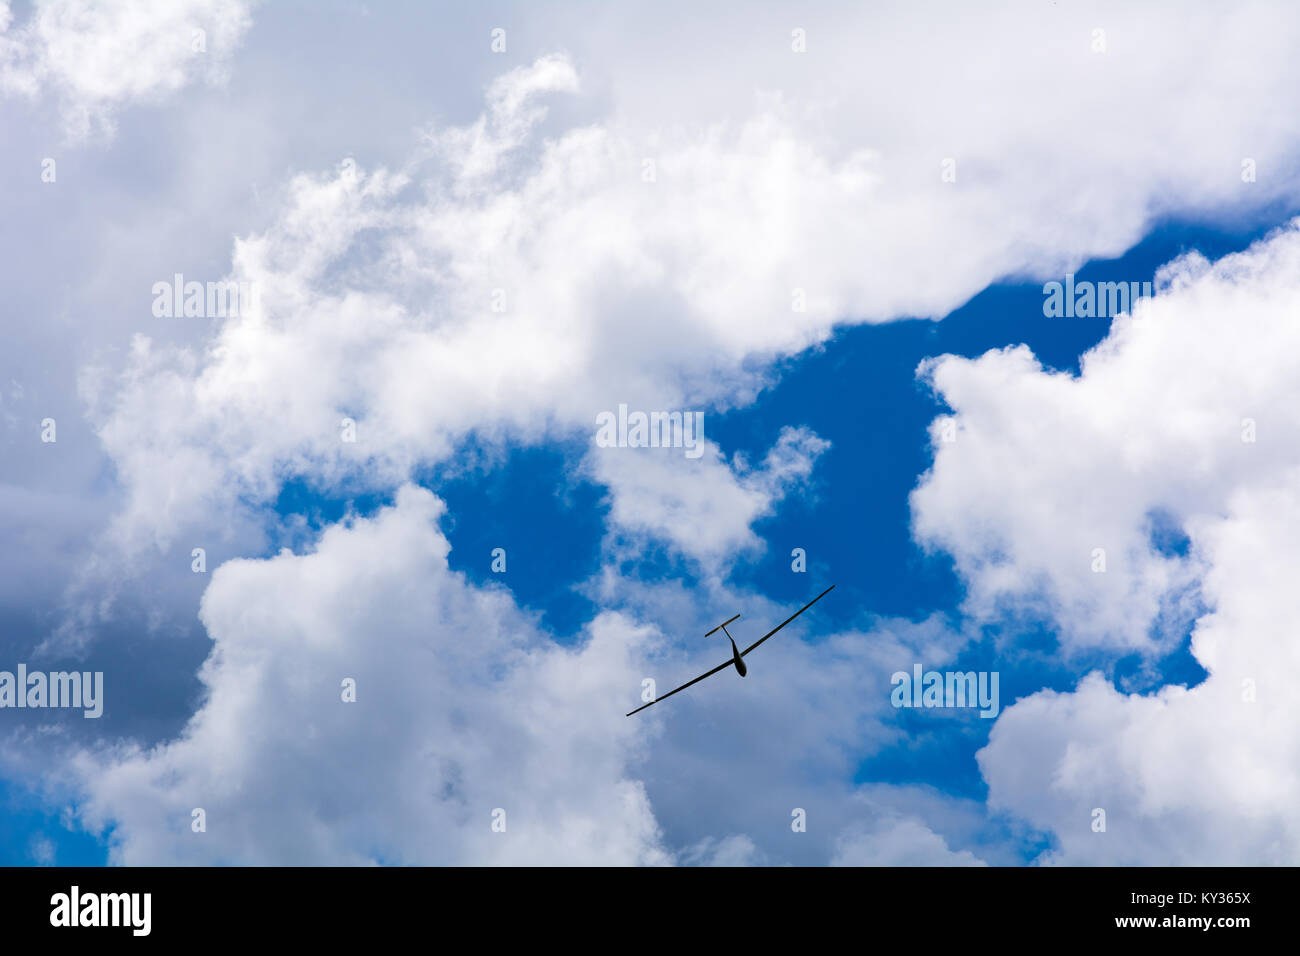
(42, 850)
(760, 227)
(1205, 776)
(461, 708)
(894, 841)
(704, 507)
(96, 56)
(1046, 466)
(377, 289)
(735, 850)
(464, 707)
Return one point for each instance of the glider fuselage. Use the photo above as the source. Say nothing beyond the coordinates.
(736, 659)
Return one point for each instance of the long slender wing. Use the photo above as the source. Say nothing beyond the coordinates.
(786, 621)
(723, 666)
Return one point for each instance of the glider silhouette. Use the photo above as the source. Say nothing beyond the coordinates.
(737, 655)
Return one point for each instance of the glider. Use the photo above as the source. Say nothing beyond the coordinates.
(737, 656)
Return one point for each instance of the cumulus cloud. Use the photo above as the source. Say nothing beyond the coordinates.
(705, 508)
(1200, 776)
(462, 708)
(1189, 411)
(409, 341)
(1177, 409)
(519, 274)
(893, 841)
(95, 57)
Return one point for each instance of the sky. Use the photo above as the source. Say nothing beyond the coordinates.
(427, 594)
